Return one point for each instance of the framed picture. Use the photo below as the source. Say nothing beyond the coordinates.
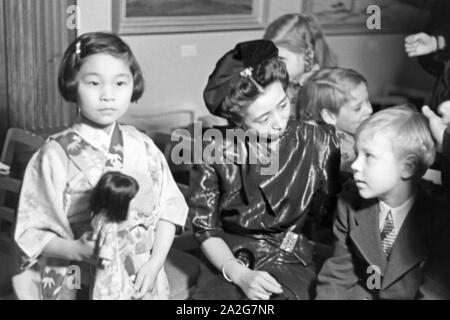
(350, 16)
(174, 16)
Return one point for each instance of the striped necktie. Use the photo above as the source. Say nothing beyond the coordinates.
(388, 234)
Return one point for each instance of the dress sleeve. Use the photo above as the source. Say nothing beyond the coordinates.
(204, 196)
(328, 162)
(444, 31)
(107, 242)
(40, 213)
(173, 205)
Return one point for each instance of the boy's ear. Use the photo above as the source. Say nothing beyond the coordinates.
(409, 167)
(328, 116)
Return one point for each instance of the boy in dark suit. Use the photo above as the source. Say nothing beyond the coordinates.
(385, 231)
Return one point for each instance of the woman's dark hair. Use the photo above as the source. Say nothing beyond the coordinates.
(112, 195)
(87, 45)
(246, 89)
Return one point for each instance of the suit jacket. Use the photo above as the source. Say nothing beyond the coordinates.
(359, 269)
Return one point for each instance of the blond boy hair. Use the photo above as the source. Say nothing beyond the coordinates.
(409, 134)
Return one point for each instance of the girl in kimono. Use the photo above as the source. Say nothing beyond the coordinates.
(249, 213)
(303, 48)
(100, 74)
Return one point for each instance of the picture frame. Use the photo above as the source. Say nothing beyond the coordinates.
(350, 16)
(181, 16)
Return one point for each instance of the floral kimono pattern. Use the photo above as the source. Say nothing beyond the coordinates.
(54, 203)
(123, 248)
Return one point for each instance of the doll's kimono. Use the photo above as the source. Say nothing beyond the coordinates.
(54, 203)
(123, 247)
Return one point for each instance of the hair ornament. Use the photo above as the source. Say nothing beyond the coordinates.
(239, 61)
(78, 49)
(247, 72)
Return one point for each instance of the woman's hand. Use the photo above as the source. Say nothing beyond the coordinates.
(420, 44)
(258, 285)
(145, 278)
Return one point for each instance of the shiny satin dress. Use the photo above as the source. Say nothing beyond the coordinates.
(261, 216)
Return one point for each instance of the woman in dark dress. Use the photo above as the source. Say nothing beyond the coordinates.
(248, 215)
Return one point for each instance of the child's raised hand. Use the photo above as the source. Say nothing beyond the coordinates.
(145, 279)
(437, 126)
(4, 169)
(305, 76)
(444, 111)
(420, 44)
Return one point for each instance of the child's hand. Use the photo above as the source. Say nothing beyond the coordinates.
(85, 251)
(305, 76)
(4, 169)
(420, 44)
(437, 126)
(444, 111)
(145, 279)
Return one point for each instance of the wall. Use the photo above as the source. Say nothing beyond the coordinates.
(176, 82)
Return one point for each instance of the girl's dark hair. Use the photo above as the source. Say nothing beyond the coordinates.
(87, 45)
(112, 195)
(246, 89)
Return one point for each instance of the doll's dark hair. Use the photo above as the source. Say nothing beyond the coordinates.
(246, 89)
(112, 195)
(89, 44)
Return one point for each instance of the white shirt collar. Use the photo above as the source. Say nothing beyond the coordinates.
(95, 136)
(398, 213)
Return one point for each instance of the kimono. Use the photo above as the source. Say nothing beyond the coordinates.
(261, 217)
(54, 203)
(112, 282)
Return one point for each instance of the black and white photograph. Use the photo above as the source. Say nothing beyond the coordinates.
(215, 152)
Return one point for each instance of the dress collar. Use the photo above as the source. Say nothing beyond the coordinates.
(96, 137)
